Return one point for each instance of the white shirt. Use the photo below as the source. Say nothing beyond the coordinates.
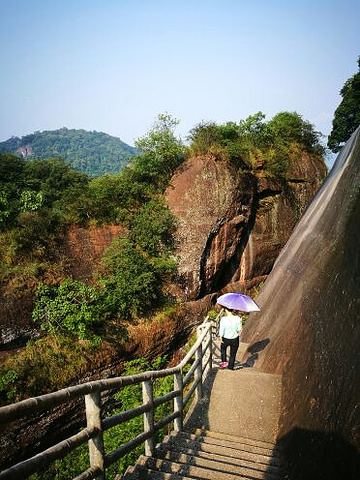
(230, 326)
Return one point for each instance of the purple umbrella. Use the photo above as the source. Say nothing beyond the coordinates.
(238, 301)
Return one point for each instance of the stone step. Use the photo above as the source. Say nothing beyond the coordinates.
(139, 472)
(190, 447)
(162, 452)
(218, 463)
(193, 471)
(234, 438)
(208, 455)
(238, 445)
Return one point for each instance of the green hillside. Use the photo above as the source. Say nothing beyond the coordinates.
(94, 153)
(41, 200)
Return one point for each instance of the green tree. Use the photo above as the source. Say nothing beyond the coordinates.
(347, 115)
(11, 181)
(36, 234)
(253, 124)
(131, 286)
(161, 152)
(289, 127)
(52, 177)
(152, 229)
(30, 201)
(104, 198)
(204, 136)
(71, 308)
(36, 186)
(117, 198)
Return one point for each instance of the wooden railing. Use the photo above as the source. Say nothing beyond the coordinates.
(200, 360)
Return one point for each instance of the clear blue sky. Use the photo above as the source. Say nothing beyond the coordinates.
(114, 65)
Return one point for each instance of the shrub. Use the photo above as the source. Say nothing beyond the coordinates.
(45, 365)
(254, 142)
(131, 287)
(161, 153)
(73, 308)
(152, 229)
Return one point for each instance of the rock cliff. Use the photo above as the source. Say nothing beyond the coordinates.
(233, 225)
(310, 324)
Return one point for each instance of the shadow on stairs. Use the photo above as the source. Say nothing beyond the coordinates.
(208, 455)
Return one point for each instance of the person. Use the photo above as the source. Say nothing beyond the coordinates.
(230, 327)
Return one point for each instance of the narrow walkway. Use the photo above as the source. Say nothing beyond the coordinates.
(242, 402)
(245, 402)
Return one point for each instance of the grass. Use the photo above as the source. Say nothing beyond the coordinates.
(46, 365)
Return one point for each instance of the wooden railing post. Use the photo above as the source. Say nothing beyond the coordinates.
(96, 444)
(178, 401)
(210, 347)
(148, 397)
(198, 372)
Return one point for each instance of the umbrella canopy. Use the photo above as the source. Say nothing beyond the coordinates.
(238, 301)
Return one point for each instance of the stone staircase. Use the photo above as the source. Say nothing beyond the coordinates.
(235, 428)
(208, 455)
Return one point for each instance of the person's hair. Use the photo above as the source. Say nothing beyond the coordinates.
(231, 310)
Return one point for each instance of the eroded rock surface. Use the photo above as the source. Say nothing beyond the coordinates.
(200, 195)
(233, 225)
(310, 320)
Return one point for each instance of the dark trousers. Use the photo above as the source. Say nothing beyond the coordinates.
(233, 343)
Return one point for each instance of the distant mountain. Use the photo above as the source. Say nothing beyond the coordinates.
(94, 153)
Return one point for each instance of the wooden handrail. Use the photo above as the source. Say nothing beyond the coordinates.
(42, 403)
(93, 433)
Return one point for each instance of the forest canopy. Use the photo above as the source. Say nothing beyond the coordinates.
(94, 153)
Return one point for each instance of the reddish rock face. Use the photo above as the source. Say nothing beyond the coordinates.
(232, 226)
(278, 207)
(200, 195)
(82, 249)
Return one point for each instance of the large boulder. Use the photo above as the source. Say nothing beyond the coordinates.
(232, 225)
(309, 325)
